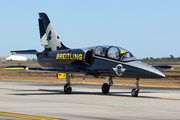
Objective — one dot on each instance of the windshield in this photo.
(126, 55)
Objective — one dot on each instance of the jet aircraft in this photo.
(101, 60)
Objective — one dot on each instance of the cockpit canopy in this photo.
(116, 53)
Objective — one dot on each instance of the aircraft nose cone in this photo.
(154, 73)
(159, 74)
(146, 71)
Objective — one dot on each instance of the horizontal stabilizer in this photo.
(163, 68)
(24, 52)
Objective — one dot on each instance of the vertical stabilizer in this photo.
(49, 38)
(42, 32)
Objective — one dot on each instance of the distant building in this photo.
(16, 58)
(3, 58)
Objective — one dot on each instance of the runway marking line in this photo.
(97, 94)
(26, 116)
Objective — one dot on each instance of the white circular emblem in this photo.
(119, 69)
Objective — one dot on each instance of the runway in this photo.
(46, 101)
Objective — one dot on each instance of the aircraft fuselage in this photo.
(86, 61)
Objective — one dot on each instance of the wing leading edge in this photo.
(163, 68)
(22, 68)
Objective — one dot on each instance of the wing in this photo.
(22, 68)
(163, 68)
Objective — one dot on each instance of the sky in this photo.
(147, 28)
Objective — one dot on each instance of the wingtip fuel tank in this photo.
(19, 68)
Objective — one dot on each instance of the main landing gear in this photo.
(105, 87)
(135, 91)
(67, 86)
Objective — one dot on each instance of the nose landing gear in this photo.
(67, 86)
(105, 87)
(135, 91)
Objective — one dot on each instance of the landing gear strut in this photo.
(105, 87)
(135, 91)
(67, 86)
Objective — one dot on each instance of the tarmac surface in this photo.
(47, 101)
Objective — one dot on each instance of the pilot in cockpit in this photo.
(100, 51)
(123, 55)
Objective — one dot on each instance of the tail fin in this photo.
(49, 38)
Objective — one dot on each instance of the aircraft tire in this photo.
(67, 90)
(134, 92)
(105, 88)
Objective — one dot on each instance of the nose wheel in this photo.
(67, 86)
(135, 91)
(67, 89)
(106, 87)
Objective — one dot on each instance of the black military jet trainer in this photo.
(107, 61)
